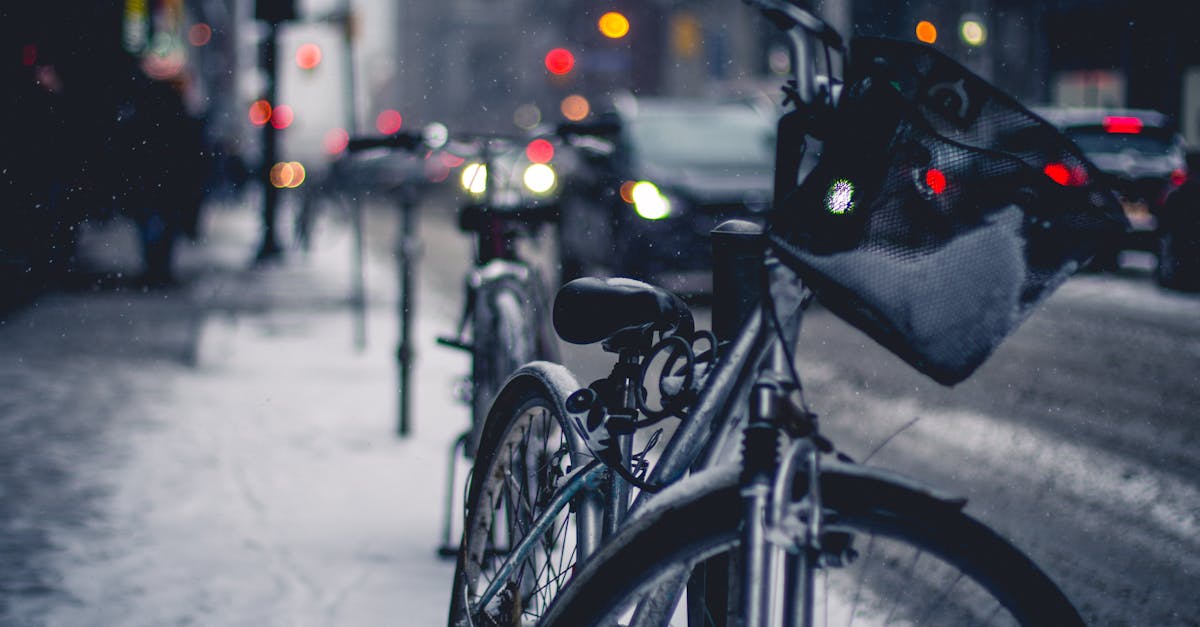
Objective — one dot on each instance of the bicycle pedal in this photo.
(454, 342)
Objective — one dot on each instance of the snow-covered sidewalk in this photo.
(258, 481)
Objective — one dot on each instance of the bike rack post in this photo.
(737, 275)
(448, 548)
(406, 257)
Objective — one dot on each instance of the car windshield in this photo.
(704, 138)
(1147, 142)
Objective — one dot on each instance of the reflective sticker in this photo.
(839, 198)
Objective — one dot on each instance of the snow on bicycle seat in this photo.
(590, 309)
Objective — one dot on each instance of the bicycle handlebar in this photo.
(404, 140)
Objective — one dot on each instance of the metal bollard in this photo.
(737, 275)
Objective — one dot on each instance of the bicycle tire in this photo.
(504, 339)
(528, 411)
(669, 539)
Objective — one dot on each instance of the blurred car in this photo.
(1143, 155)
(653, 177)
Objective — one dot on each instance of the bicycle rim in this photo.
(892, 557)
(517, 473)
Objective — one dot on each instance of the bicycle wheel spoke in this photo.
(912, 568)
(862, 578)
(937, 603)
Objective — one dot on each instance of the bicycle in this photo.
(503, 323)
(890, 181)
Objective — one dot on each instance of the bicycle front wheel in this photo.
(526, 450)
(504, 339)
(892, 554)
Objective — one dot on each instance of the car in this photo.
(1144, 157)
(653, 177)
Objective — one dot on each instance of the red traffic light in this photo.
(560, 61)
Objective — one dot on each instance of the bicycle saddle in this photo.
(588, 310)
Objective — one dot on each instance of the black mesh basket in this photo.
(942, 210)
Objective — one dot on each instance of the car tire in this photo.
(1167, 270)
(1178, 262)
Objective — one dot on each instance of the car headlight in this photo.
(649, 202)
(539, 178)
(474, 178)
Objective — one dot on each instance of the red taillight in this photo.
(935, 180)
(1122, 124)
(1057, 173)
(1064, 175)
(539, 151)
(1178, 177)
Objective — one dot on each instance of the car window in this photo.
(1151, 141)
(718, 137)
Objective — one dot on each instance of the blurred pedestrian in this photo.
(159, 149)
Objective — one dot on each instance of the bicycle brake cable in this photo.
(771, 311)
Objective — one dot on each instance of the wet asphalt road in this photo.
(1077, 440)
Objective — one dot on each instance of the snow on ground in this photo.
(265, 484)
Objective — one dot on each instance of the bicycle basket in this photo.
(941, 210)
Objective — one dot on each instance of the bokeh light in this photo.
(199, 34)
(926, 32)
(389, 121)
(435, 134)
(560, 61)
(287, 174)
(282, 116)
(282, 174)
(649, 202)
(575, 107)
(527, 116)
(973, 33)
(539, 178)
(613, 25)
(298, 174)
(779, 60)
(474, 178)
(260, 112)
(308, 56)
(626, 191)
(539, 151)
(336, 141)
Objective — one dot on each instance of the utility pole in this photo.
(274, 13)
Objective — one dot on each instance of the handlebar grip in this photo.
(401, 140)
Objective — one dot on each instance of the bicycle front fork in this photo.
(771, 545)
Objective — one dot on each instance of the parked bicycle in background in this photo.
(507, 185)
